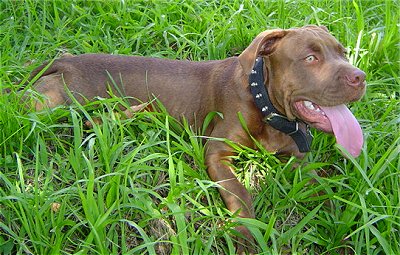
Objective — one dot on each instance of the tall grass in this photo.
(139, 185)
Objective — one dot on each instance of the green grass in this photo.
(140, 185)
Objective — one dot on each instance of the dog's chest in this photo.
(276, 141)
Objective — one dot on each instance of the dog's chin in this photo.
(313, 115)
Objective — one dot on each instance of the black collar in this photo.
(271, 115)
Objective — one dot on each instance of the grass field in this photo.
(139, 186)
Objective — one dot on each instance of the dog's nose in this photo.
(356, 78)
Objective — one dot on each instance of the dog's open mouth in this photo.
(334, 119)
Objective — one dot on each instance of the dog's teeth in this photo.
(309, 105)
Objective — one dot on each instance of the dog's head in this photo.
(309, 78)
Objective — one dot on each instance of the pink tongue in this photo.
(346, 128)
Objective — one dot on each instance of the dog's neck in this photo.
(271, 115)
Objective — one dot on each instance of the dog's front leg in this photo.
(234, 194)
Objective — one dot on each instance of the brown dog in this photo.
(283, 82)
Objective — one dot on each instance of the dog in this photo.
(284, 82)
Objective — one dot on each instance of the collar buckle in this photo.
(282, 123)
(272, 115)
(296, 130)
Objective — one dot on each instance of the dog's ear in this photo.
(263, 45)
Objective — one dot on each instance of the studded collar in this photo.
(271, 115)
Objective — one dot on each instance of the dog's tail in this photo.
(46, 68)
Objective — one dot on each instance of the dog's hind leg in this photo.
(51, 92)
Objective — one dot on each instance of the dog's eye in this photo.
(310, 58)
